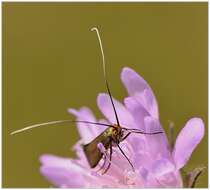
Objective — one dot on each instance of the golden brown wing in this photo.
(93, 154)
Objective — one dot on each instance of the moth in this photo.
(111, 136)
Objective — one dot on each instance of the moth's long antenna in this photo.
(56, 122)
(141, 132)
(153, 133)
(104, 71)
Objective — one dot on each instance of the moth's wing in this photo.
(92, 152)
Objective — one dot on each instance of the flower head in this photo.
(156, 163)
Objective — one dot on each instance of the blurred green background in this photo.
(51, 62)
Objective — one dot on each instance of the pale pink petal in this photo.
(82, 160)
(139, 88)
(138, 112)
(171, 180)
(143, 172)
(133, 179)
(104, 104)
(87, 131)
(146, 99)
(157, 144)
(61, 172)
(187, 140)
(152, 182)
(61, 162)
(143, 160)
(48, 159)
(162, 166)
(63, 178)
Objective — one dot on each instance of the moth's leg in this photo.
(104, 157)
(102, 166)
(125, 136)
(125, 156)
(110, 158)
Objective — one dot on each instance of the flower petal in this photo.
(171, 180)
(139, 88)
(60, 177)
(124, 116)
(138, 112)
(187, 140)
(162, 166)
(154, 142)
(87, 131)
(61, 172)
(82, 160)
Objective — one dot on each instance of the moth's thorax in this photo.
(115, 132)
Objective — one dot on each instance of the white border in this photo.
(116, 1)
(208, 98)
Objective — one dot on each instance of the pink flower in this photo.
(156, 163)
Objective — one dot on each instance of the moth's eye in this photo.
(121, 133)
(115, 132)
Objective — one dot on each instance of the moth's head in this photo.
(117, 132)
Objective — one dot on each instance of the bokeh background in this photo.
(51, 62)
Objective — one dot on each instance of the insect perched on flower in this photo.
(112, 136)
(150, 160)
